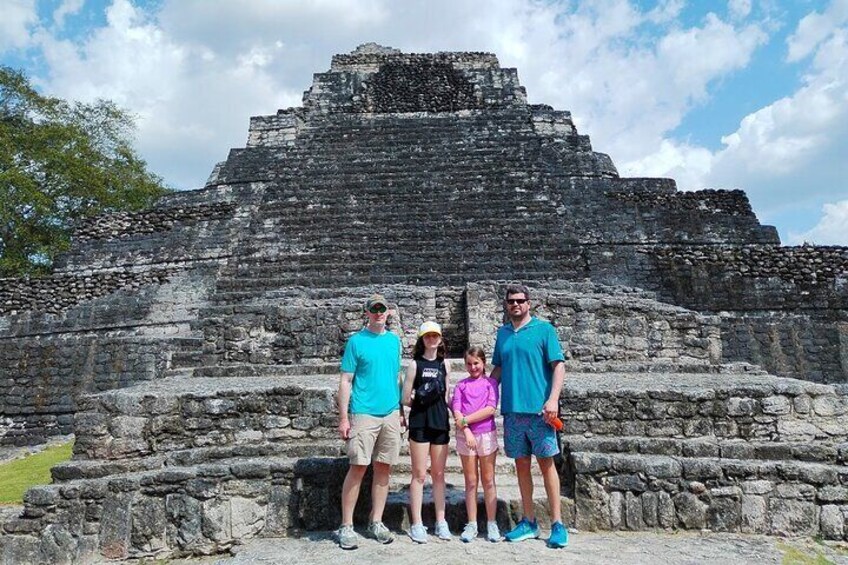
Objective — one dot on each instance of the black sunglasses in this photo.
(377, 309)
(516, 300)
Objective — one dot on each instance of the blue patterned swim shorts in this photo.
(528, 434)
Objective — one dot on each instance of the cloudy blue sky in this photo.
(749, 94)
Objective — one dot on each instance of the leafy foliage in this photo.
(59, 162)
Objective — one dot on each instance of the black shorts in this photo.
(429, 435)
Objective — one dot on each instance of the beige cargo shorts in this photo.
(374, 438)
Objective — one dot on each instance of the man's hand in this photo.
(549, 410)
(344, 428)
(470, 440)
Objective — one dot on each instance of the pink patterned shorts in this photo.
(487, 443)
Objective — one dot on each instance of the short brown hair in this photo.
(517, 289)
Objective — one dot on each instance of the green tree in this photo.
(60, 162)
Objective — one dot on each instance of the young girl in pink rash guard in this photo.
(474, 402)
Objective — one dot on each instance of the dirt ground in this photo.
(591, 548)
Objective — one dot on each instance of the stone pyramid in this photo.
(192, 348)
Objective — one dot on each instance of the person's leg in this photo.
(517, 446)
(469, 469)
(360, 447)
(418, 453)
(525, 486)
(438, 459)
(386, 451)
(545, 446)
(552, 487)
(487, 476)
(379, 490)
(350, 491)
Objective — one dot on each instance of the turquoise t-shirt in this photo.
(374, 360)
(525, 358)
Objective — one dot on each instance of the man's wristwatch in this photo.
(464, 422)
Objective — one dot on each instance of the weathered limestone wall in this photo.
(748, 498)
(788, 343)
(597, 324)
(49, 359)
(306, 326)
(45, 376)
(183, 229)
(376, 80)
(279, 130)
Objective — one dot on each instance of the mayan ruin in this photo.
(193, 348)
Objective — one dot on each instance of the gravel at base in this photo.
(589, 548)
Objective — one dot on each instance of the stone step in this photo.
(813, 452)
(76, 469)
(195, 510)
(191, 412)
(186, 412)
(428, 211)
(206, 508)
(415, 148)
(393, 153)
(385, 261)
(786, 498)
(453, 466)
(241, 289)
(309, 232)
(455, 480)
(312, 367)
(396, 268)
(727, 406)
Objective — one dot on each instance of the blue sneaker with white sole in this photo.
(559, 536)
(525, 529)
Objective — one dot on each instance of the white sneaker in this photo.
(469, 532)
(348, 539)
(418, 533)
(443, 531)
(493, 534)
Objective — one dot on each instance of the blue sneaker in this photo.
(524, 530)
(559, 536)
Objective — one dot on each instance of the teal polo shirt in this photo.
(374, 360)
(525, 358)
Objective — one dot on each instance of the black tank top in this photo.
(434, 416)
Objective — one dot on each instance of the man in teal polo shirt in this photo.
(528, 363)
(370, 420)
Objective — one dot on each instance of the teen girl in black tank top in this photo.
(433, 415)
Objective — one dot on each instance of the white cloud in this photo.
(739, 9)
(192, 103)
(65, 9)
(797, 142)
(686, 164)
(832, 228)
(815, 28)
(16, 19)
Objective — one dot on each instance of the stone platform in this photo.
(192, 465)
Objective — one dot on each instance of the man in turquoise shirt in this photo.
(370, 417)
(528, 363)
